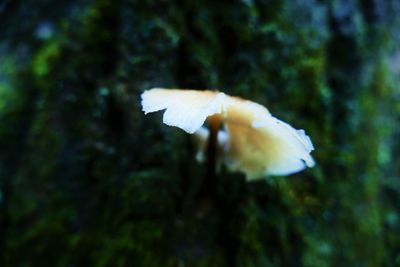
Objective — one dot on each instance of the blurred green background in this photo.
(87, 180)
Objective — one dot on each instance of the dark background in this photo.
(87, 180)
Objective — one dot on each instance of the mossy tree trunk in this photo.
(87, 180)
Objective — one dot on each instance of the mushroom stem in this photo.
(214, 123)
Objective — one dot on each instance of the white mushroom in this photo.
(253, 141)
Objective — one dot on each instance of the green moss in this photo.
(87, 180)
(42, 60)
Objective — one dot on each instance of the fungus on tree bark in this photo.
(251, 139)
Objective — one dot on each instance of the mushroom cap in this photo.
(186, 109)
(261, 144)
(255, 142)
